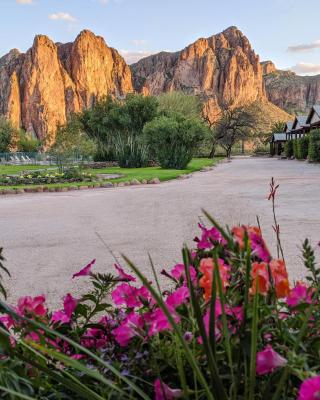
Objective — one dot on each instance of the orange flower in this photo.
(260, 278)
(207, 269)
(239, 231)
(280, 278)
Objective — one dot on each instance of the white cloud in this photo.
(24, 1)
(62, 16)
(306, 68)
(139, 42)
(104, 1)
(300, 48)
(133, 56)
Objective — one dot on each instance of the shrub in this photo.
(288, 148)
(303, 145)
(131, 152)
(229, 327)
(295, 148)
(7, 135)
(27, 142)
(314, 146)
(174, 138)
(116, 126)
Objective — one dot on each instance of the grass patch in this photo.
(16, 169)
(156, 172)
(128, 173)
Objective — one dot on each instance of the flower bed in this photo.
(46, 177)
(230, 327)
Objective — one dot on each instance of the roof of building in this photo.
(314, 109)
(279, 137)
(288, 126)
(300, 121)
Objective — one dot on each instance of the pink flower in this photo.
(310, 389)
(60, 316)
(123, 276)
(208, 237)
(178, 273)
(299, 294)
(32, 305)
(268, 360)
(128, 329)
(64, 316)
(7, 321)
(84, 271)
(164, 392)
(159, 321)
(178, 297)
(130, 296)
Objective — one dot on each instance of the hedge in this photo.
(288, 148)
(302, 148)
(314, 146)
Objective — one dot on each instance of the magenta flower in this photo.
(32, 305)
(208, 236)
(122, 275)
(268, 360)
(64, 316)
(130, 296)
(7, 321)
(159, 321)
(85, 271)
(128, 329)
(178, 273)
(310, 389)
(299, 294)
(178, 297)
(164, 392)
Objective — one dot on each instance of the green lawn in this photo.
(156, 172)
(128, 173)
(16, 169)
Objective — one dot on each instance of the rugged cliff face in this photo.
(40, 88)
(293, 93)
(221, 69)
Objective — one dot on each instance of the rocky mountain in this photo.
(291, 92)
(222, 69)
(40, 88)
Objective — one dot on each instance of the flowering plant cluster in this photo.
(46, 177)
(227, 325)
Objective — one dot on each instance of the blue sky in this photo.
(285, 31)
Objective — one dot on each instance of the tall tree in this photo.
(235, 124)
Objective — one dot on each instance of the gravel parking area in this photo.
(49, 236)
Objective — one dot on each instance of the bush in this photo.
(7, 135)
(303, 145)
(314, 146)
(288, 148)
(174, 138)
(229, 327)
(295, 148)
(131, 152)
(27, 142)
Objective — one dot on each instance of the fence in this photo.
(22, 158)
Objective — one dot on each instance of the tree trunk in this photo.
(212, 152)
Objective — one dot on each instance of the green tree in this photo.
(117, 127)
(174, 138)
(7, 135)
(235, 124)
(188, 105)
(72, 141)
(278, 127)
